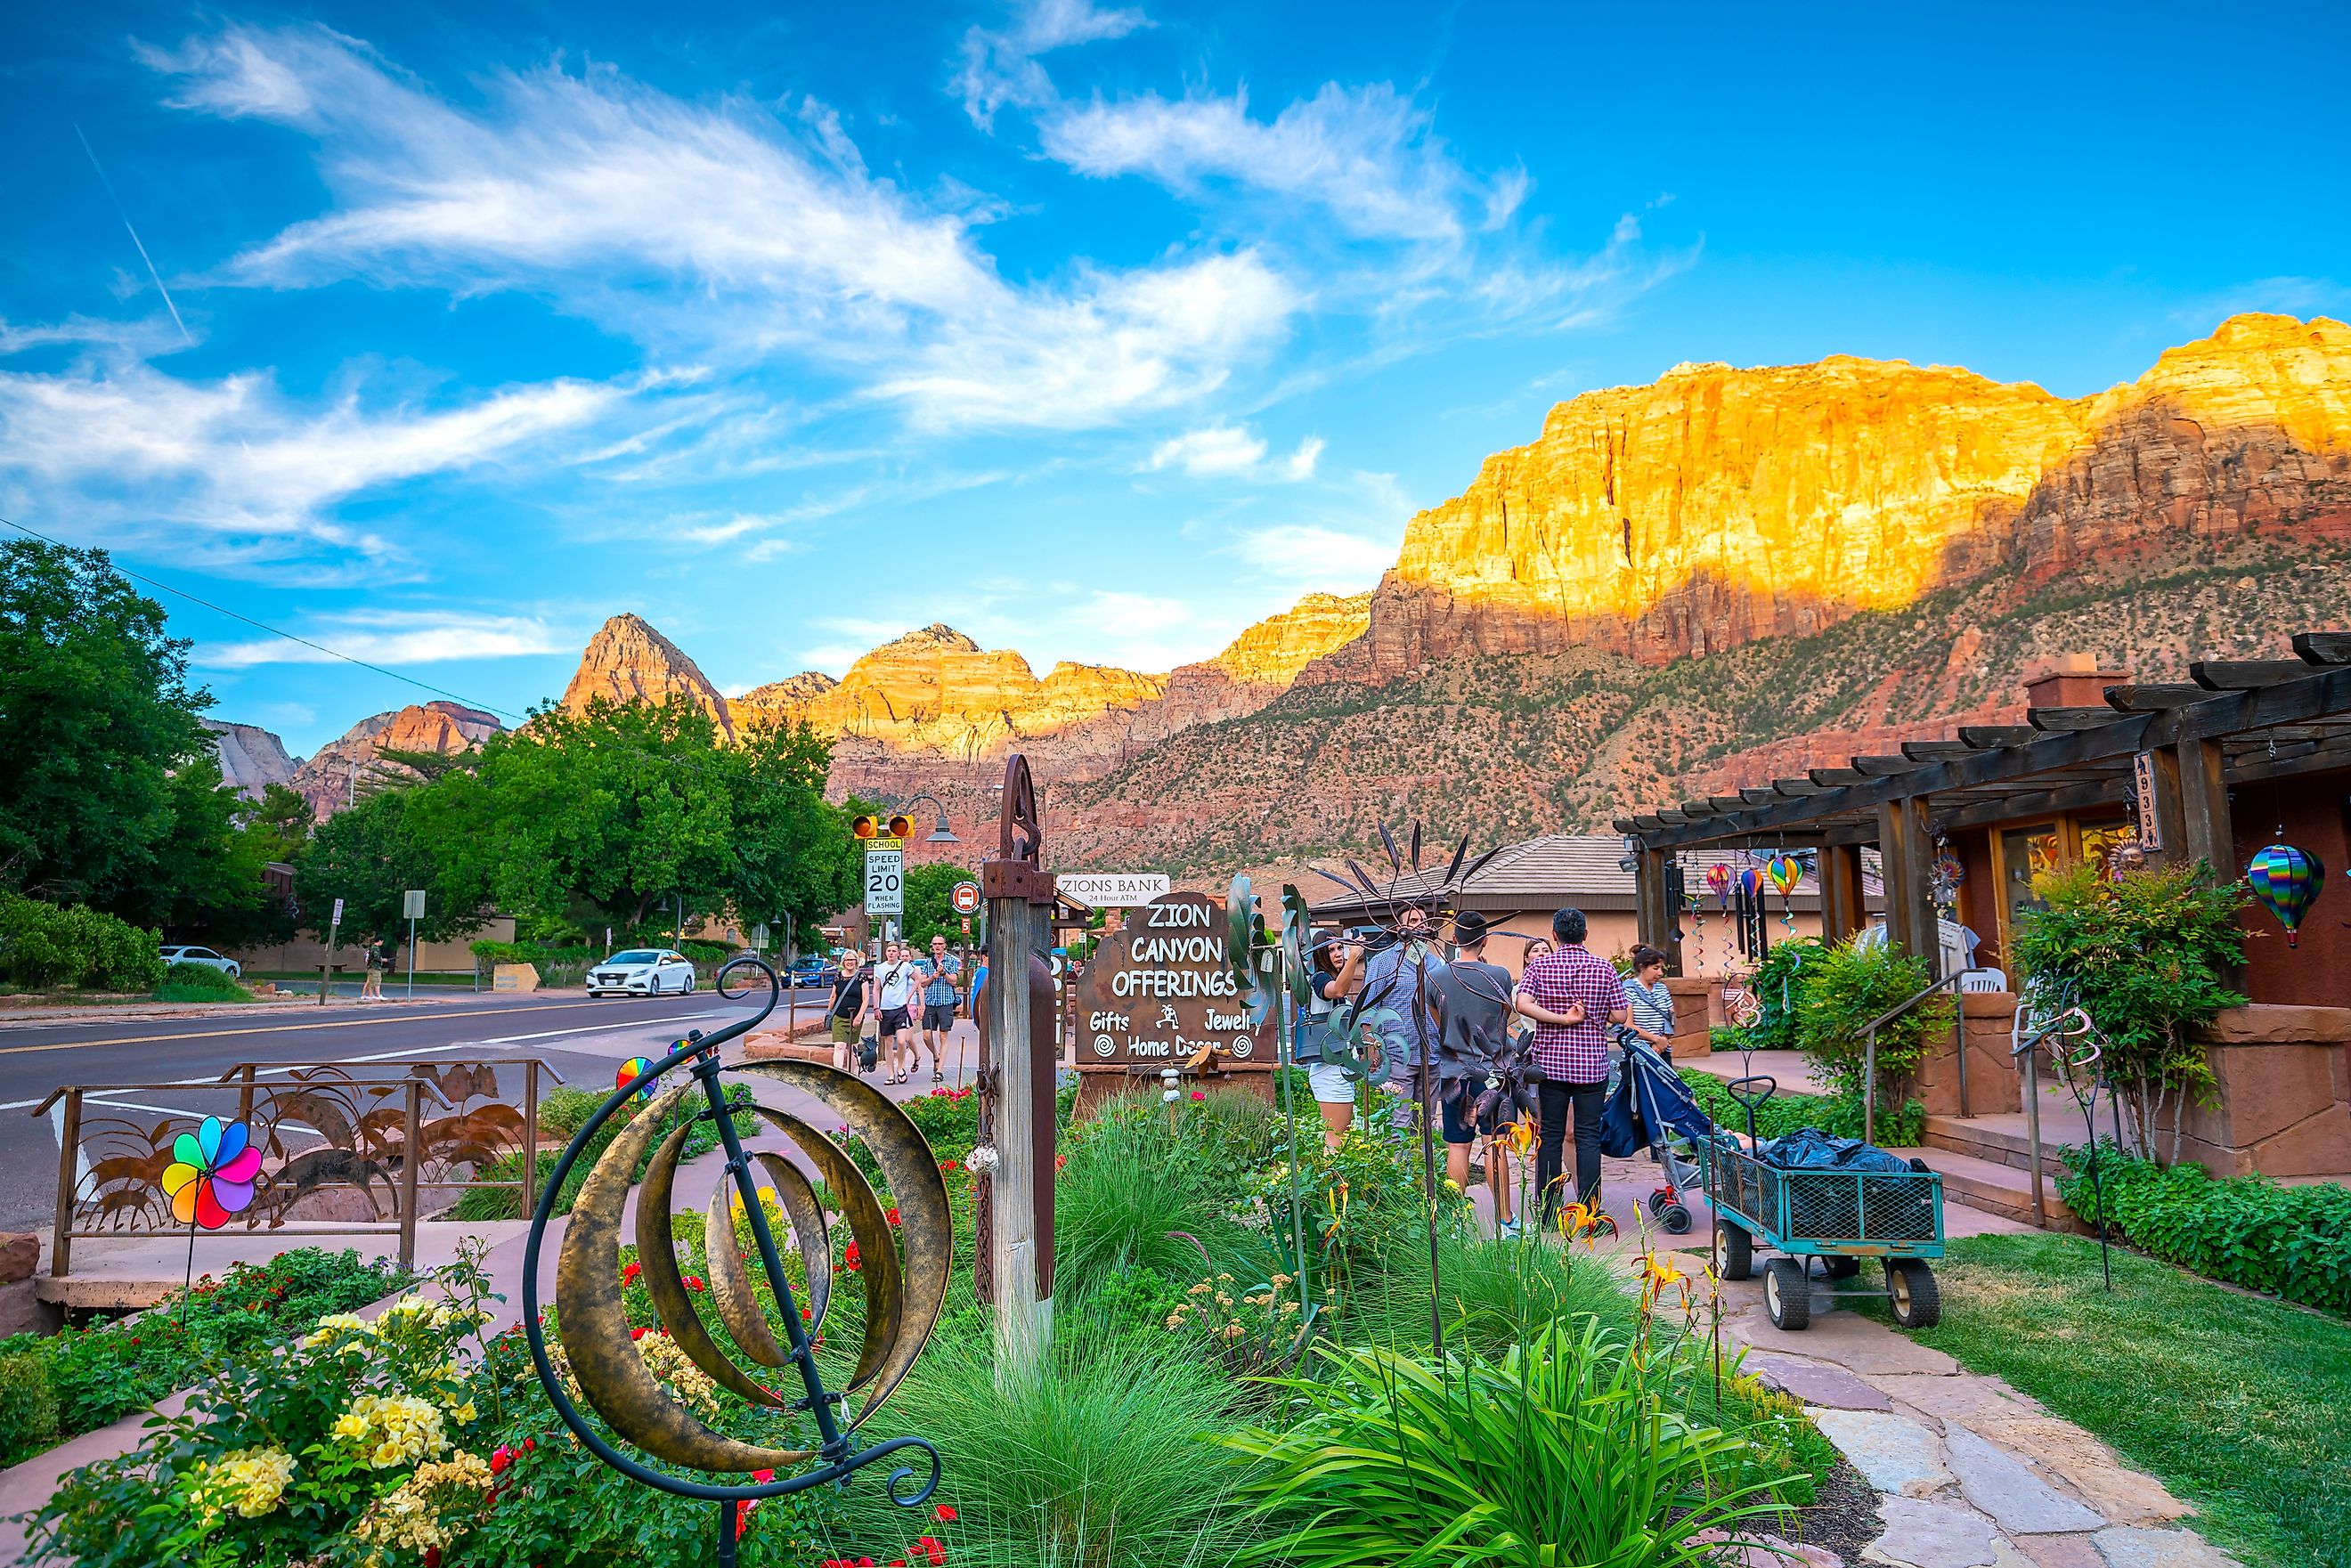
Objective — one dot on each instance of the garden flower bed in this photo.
(1198, 1389)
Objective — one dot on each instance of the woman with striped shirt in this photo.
(1651, 1019)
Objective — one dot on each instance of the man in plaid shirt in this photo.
(1572, 995)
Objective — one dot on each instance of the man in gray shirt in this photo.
(1476, 1009)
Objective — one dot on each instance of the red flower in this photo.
(949, 1165)
(1196, 1095)
(694, 1282)
(432, 1557)
(763, 1477)
(501, 1459)
(628, 1275)
(890, 1215)
(636, 1334)
(848, 1259)
(529, 1444)
(933, 1548)
(945, 1514)
(1060, 1160)
(806, 1316)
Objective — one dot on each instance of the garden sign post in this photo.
(1018, 1081)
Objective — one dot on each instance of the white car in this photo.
(642, 972)
(205, 956)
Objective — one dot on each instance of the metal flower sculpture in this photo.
(211, 1177)
(905, 1268)
(1487, 1073)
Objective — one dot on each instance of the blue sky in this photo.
(1095, 330)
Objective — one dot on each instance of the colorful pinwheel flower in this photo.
(211, 1174)
(628, 1074)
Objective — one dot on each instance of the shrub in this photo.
(1099, 1461)
(28, 1407)
(2289, 1241)
(1846, 987)
(99, 1375)
(1493, 1296)
(46, 945)
(1779, 985)
(199, 983)
(1569, 1449)
(2147, 958)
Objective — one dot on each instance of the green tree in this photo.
(96, 718)
(2147, 958)
(370, 854)
(280, 823)
(929, 912)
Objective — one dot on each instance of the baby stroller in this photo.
(1648, 1104)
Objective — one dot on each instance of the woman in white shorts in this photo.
(1337, 974)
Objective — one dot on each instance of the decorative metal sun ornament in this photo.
(904, 1269)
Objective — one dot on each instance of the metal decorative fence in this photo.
(322, 1130)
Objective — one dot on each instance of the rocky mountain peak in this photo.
(937, 637)
(628, 661)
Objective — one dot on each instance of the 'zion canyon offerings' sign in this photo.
(1158, 995)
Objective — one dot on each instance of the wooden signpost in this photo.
(1018, 1054)
(1159, 993)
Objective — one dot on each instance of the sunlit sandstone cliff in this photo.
(353, 764)
(628, 661)
(1717, 506)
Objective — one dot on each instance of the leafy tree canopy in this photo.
(96, 715)
(928, 911)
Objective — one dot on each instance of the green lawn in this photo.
(2240, 1405)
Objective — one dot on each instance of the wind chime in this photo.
(1785, 871)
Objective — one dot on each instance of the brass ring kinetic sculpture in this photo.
(903, 1295)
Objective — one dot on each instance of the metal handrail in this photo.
(1869, 1051)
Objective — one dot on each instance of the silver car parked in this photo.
(205, 956)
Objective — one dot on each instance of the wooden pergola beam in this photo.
(1937, 750)
(1988, 737)
(2052, 720)
(2245, 675)
(2153, 699)
(2323, 647)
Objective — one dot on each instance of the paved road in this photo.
(581, 1039)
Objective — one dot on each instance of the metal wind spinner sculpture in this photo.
(904, 1293)
(1411, 909)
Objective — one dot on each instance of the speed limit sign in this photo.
(885, 887)
(966, 898)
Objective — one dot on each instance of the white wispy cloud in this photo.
(1000, 64)
(1226, 451)
(1367, 156)
(1313, 556)
(722, 229)
(113, 440)
(394, 637)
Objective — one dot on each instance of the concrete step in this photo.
(1993, 1188)
(2002, 1139)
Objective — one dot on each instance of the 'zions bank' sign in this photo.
(1158, 991)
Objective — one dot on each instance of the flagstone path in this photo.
(1974, 1473)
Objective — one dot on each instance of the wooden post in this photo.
(531, 1138)
(1843, 911)
(2160, 808)
(2206, 831)
(1020, 913)
(68, 1186)
(1905, 848)
(411, 1135)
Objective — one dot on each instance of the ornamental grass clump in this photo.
(1130, 1198)
(1570, 1448)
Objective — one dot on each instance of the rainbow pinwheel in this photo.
(212, 1173)
(629, 1070)
(2286, 879)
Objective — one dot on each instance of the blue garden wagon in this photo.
(1840, 1217)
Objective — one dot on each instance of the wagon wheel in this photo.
(1788, 1294)
(1734, 1251)
(1911, 1291)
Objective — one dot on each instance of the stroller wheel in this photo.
(1676, 1218)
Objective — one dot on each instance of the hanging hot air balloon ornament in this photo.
(1785, 871)
(2286, 880)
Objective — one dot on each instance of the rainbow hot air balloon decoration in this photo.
(2286, 880)
(1718, 881)
(1785, 871)
(1750, 881)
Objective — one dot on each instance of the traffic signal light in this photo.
(865, 827)
(897, 827)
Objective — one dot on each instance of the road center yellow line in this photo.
(291, 1028)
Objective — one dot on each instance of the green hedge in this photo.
(2293, 1242)
(46, 944)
